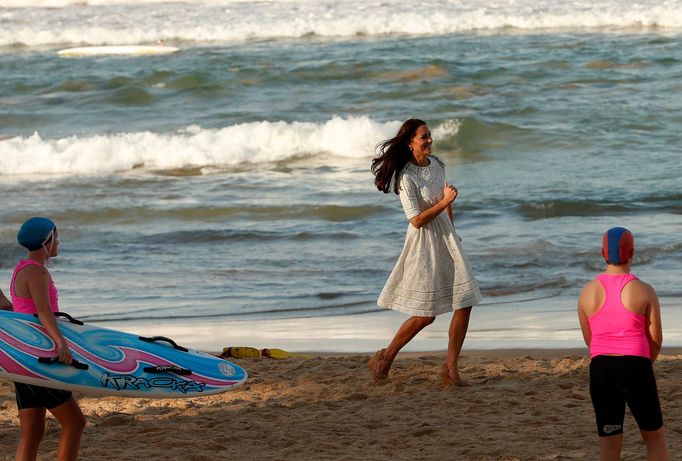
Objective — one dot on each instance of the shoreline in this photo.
(520, 353)
(537, 324)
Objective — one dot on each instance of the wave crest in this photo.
(130, 22)
(195, 147)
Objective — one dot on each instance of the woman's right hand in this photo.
(428, 215)
(449, 193)
(64, 353)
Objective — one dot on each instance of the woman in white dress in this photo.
(432, 275)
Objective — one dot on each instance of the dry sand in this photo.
(521, 405)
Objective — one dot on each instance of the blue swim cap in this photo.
(35, 232)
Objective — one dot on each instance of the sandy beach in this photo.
(521, 405)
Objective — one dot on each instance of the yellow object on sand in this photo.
(281, 354)
(242, 352)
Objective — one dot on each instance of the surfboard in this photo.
(122, 50)
(109, 362)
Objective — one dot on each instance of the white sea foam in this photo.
(197, 147)
(127, 22)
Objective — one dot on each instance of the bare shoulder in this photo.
(639, 296)
(591, 297)
(590, 288)
(642, 287)
(34, 273)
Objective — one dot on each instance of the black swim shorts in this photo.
(30, 396)
(617, 380)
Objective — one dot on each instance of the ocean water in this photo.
(228, 184)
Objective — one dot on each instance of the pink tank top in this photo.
(26, 305)
(616, 330)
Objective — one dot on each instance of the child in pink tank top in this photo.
(623, 342)
(33, 292)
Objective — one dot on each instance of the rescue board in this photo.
(109, 362)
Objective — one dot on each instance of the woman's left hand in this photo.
(449, 193)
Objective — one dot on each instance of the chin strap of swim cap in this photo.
(51, 238)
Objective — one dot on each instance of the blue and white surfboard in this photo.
(109, 362)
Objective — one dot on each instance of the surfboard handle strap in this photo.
(66, 316)
(74, 363)
(168, 369)
(163, 338)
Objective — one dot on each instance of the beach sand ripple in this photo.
(531, 405)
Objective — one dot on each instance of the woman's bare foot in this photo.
(450, 377)
(377, 365)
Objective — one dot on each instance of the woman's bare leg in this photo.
(456, 333)
(72, 420)
(404, 335)
(31, 430)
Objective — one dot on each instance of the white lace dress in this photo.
(432, 275)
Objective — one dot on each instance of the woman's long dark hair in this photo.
(394, 154)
